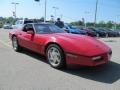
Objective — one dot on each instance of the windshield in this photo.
(47, 28)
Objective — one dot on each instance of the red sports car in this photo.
(59, 47)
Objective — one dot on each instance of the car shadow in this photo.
(34, 55)
(108, 73)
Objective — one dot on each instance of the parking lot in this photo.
(29, 71)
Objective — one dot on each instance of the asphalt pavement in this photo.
(29, 71)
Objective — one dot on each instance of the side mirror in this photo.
(30, 32)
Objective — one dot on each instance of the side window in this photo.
(16, 22)
(28, 27)
(25, 28)
(20, 22)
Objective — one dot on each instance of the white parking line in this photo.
(6, 44)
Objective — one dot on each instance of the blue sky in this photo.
(70, 10)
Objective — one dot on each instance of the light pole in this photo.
(96, 9)
(15, 4)
(39, 4)
(55, 8)
(115, 25)
(44, 9)
(86, 17)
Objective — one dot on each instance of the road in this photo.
(30, 71)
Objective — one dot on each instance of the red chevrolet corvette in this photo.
(59, 47)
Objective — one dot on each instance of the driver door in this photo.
(26, 39)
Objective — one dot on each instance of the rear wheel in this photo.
(15, 44)
(55, 56)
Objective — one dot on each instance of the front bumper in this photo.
(87, 61)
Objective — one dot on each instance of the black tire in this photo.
(55, 56)
(15, 44)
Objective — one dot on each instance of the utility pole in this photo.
(55, 13)
(45, 10)
(96, 9)
(15, 4)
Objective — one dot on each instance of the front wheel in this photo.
(55, 56)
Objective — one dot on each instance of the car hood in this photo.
(80, 44)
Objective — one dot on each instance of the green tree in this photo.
(101, 24)
(109, 24)
(89, 24)
(42, 19)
